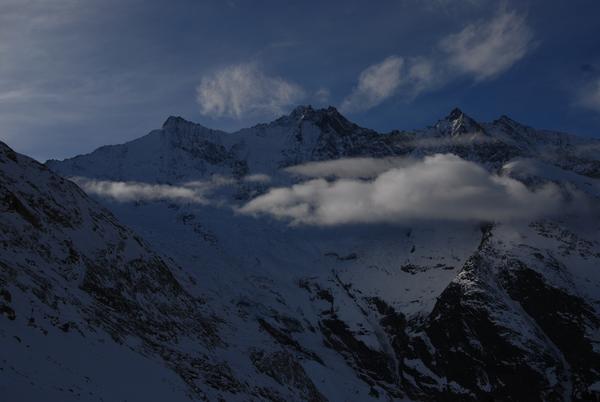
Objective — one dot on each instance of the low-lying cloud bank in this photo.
(197, 192)
(439, 187)
(349, 168)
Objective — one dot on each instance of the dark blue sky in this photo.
(75, 75)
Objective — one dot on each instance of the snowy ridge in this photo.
(185, 150)
(72, 279)
(402, 311)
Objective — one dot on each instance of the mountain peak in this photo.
(504, 119)
(457, 123)
(326, 118)
(6, 151)
(174, 121)
(307, 111)
(455, 113)
(302, 110)
(175, 124)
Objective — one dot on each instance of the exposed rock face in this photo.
(183, 150)
(79, 270)
(285, 369)
(501, 330)
(212, 305)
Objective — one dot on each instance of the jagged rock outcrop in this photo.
(214, 304)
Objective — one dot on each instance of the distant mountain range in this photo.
(182, 149)
(202, 265)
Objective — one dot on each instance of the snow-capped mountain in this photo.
(216, 303)
(182, 150)
(84, 299)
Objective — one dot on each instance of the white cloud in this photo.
(244, 90)
(322, 95)
(589, 95)
(482, 50)
(423, 74)
(375, 84)
(15, 95)
(439, 187)
(257, 178)
(193, 191)
(133, 191)
(348, 168)
(534, 171)
(488, 48)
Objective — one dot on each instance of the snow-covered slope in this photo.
(89, 310)
(183, 150)
(410, 310)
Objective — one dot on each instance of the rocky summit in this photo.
(290, 261)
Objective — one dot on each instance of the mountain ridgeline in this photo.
(156, 286)
(182, 149)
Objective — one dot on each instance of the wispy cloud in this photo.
(589, 95)
(15, 95)
(439, 187)
(348, 168)
(244, 90)
(488, 48)
(134, 191)
(257, 178)
(198, 192)
(482, 50)
(375, 84)
(322, 95)
(422, 75)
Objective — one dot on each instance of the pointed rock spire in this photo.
(174, 121)
(458, 123)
